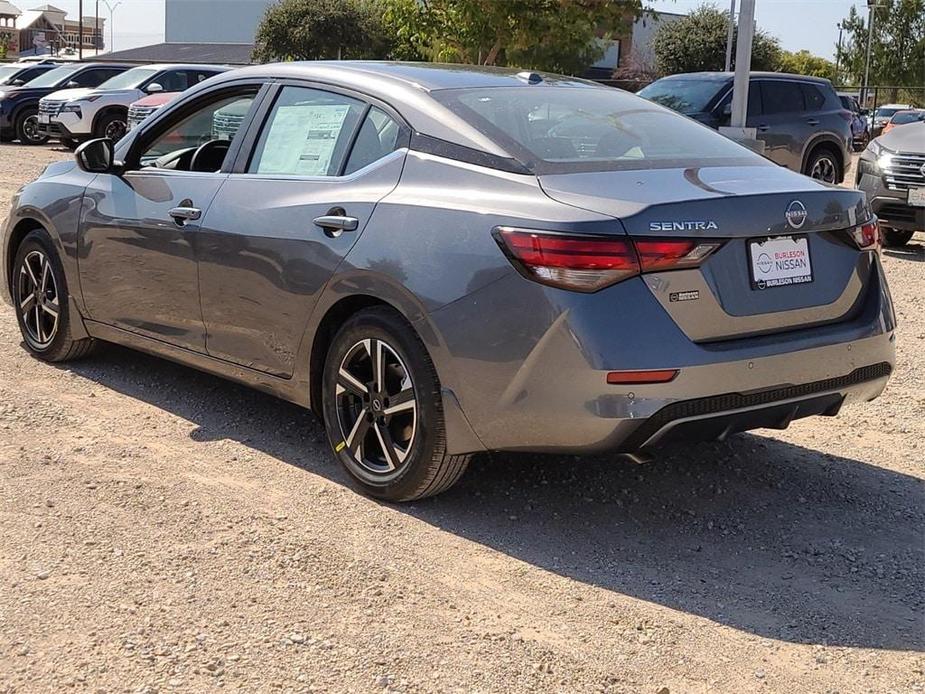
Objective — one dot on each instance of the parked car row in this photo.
(79, 101)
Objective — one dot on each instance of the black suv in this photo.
(19, 105)
(800, 119)
(17, 74)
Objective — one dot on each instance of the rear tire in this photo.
(893, 238)
(27, 128)
(824, 165)
(40, 297)
(387, 430)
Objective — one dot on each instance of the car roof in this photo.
(182, 66)
(903, 106)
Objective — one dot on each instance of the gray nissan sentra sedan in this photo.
(442, 260)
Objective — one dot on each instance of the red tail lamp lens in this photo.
(672, 254)
(637, 377)
(867, 236)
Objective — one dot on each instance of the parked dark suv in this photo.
(19, 106)
(18, 74)
(800, 119)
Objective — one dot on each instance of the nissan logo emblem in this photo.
(796, 214)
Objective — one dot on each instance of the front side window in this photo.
(57, 77)
(781, 97)
(306, 134)
(568, 130)
(130, 79)
(216, 122)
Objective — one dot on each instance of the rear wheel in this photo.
(27, 128)
(41, 301)
(893, 238)
(383, 411)
(824, 165)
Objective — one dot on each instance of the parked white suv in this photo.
(74, 115)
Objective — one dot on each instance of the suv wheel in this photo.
(41, 300)
(823, 165)
(113, 126)
(383, 411)
(27, 128)
(895, 237)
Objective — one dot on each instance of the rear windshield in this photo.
(568, 130)
(907, 117)
(684, 96)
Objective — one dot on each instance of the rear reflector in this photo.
(589, 263)
(636, 377)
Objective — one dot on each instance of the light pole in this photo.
(746, 35)
(838, 52)
(871, 13)
(112, 8)
(729, 34)
(80, 30)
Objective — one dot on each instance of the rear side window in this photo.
(378, 137)
(573, 129)
(814, 98)
(683, 95)
(307, 133)
(778, 96)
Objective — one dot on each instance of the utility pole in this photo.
(96, 39)
(746, 34)
(871, 13)
(729, 35)
(80, 30)
(838, 53)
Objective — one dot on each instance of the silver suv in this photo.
(801, 120)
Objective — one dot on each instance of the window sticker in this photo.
(302, 138)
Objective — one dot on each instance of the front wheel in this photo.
(893, 238)
(383, 412)
(27, 128)
(114, 126)
(41, 301)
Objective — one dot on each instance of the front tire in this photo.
(893, 238)
(112, 125)
(27, 128)
(40, 297)
(383, 411)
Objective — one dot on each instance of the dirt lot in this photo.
(163, 530)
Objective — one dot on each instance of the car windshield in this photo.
(885, 112)
(130, 79)
(7, 72)
(59, 75)
(907, 117)
(569, 130)
(685, 96)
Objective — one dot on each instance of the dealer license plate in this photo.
(917, 197)
(780, 261)
(44, 118)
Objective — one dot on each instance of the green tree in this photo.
(320, 29)
(805, 63)
(897, 48)
(555, 35)
(698, 42)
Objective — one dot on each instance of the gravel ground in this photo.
(163, 530)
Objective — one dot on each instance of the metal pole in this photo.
(729, 35)
(80, 30)
(746, 34)
(871, 13)
(838, 53)
(96, 36)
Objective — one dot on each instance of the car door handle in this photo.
(813, 121)
(181, 215)
(763, 127)
(337, 223)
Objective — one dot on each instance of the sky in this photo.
(809, 24)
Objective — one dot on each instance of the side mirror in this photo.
(727, 110)
(72, 85)
(864, 112)
(17, 83)
(154, 88)
(96, 156)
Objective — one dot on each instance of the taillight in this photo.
(867, 236)
(589, 263)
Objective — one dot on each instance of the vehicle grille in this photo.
(896, 213)
(225, 125)
(905, 171)
(136, 114)
(50, 108)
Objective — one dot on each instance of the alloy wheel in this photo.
(115, 130)
(38, 299)
(30, 129)
(824, 169)
(377, 409)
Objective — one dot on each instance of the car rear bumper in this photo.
(547, 390)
